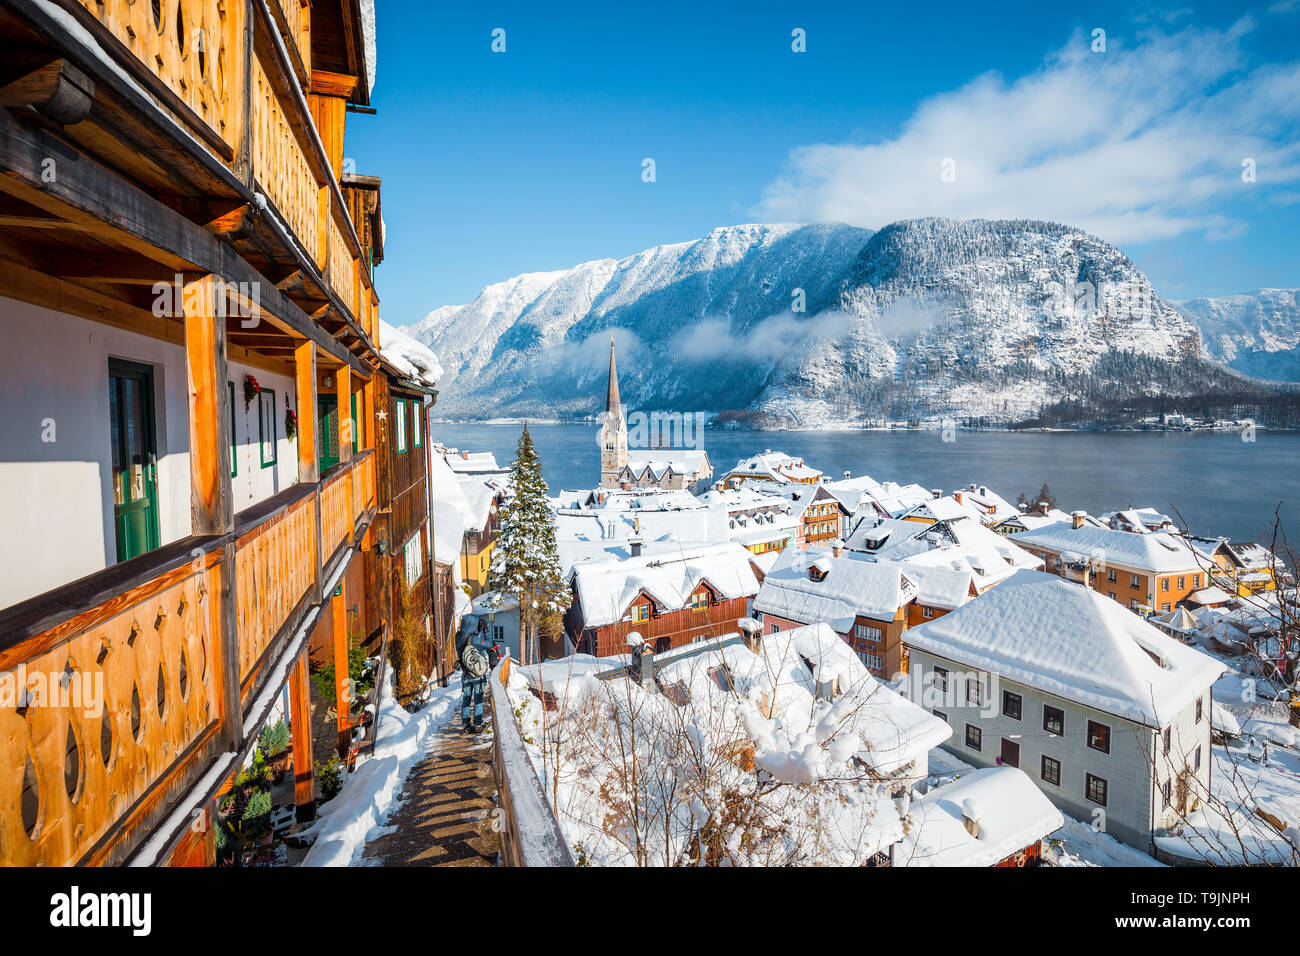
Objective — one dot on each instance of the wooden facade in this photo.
(195, 144)
(662, 629)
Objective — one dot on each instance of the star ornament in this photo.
(382, 415)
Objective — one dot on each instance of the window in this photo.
(870, 661)
(1095, 789)
(234, 446)
(975, 692)
(1164, 584)
(1011, 704)
(927, 612)
(1053, 720)
(1134, 581)
(1166, 789)
(941, 679)
(866, 632)
(415, 423)
(1134, 604)
(1181, 582)
(1112, 575)
(1098, 736)
(401, 426)
(1111, 595)
(974, 737)
(1200, 709)
(1197, 765)
(414, 555)
(1196, 580)
(637, 612)
(1164, 606)
(498, 633)
(266, 430)
(1166, 738)
(1051, 772)
(699, 600)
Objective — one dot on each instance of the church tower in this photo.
(613, 431)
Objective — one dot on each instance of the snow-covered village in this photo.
(444, 439)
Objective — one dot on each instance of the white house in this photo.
(1110, 716)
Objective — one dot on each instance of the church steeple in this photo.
(612, 404)
(613, 430)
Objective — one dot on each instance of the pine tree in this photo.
(525, 562)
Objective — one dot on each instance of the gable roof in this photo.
(852, 586)
(669, 573)
(1155, 551)
(1062, 638)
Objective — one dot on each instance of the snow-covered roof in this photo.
(683, 461)
(465, 462)
(1011, 812)
(962, 544)
(892, 731)
(775, 466)
(1048, 633)
(478, 497)
(1158, 552)
(1210, 595)
(992, 507)
(941, 585)
(670, 574)
(413, 359)
(852, 586)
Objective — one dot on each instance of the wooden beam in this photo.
(305, 365)
(343, 381)
(205, 355)
(52, 87)
(112, 268)
(103, 203)
(304, 781)
(342, 684)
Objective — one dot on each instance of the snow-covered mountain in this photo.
(815, 324)
(1257, 333)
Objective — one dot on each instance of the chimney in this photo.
(970, 817)
(847, 474)
(752, 632)
(936, 492)
(642, 668)
(956, 496)
(465, 454)
(837, 548)
(1076, 518)
(635, 544)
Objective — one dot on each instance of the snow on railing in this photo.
(530, 834)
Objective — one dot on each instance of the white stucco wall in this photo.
(54, 368)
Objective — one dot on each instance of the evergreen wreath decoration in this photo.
(290, 421)
(251, 390)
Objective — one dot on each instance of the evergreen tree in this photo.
(525, 562)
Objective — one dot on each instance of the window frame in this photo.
(415, 424)
(1103, 736)
(1020, 705)
(977, 699)
(261, 434)
(1042, 770)
(978, 732)
(940, 685)
(234, 442)
(1049, 730)
(1091, 780)
(400, 415)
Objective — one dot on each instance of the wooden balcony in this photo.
(80, 784)
(86, 784)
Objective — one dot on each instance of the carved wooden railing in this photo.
(336, 515)
(294, 19)
(275, 568)
(109, 706)
(196, 47)
(342, 272)
(280, 168)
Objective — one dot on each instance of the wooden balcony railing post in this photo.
(304, 356)
(211, 503)
(342, 687)
(304, 781)
(347, 426)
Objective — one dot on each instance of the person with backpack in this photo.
(475, 652)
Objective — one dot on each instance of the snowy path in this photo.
(443, 814)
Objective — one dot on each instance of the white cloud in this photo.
(1137, 143)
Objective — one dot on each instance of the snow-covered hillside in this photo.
(817, 324)
(1257, 333)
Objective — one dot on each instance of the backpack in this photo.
(473, 661)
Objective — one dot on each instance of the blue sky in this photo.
(500, 163)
